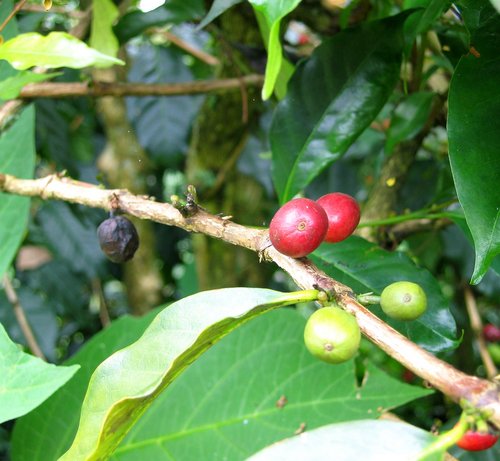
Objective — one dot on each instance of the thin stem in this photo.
(422, 214)
(182, 44)
(13, 299)
(477, 327)
(14, 11)
(445, 440)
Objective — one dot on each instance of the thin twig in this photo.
(54, 9)
(14, 11)
(477, 328)
(455, 384)
(227, 167)
(21, 318)
(182, 44)
(103, 307)
(99, 89)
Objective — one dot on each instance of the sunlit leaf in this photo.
(176, 337)
(57, 49)
(26, 380)
(102, 37)
(273, 12)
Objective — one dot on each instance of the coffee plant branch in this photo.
(482, 393)
(99, 89)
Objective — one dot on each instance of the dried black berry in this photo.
(118, 239)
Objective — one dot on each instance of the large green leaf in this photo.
(17, 157)
(272, 12)
(57, 49)
(332, 98)
(224, 404)
(177, 336)
(353, 441)
(33, 436)
(12, 86)
(102, 37)
(26, 380)
(473, 127)
(367, 268)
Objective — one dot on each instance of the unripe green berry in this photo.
(403, 300)
(332, 335)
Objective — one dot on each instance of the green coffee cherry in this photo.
(403, 300)
(332, 335)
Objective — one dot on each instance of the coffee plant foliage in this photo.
(393, 103)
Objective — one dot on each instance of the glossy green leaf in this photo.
(496, 4)
(225, 405)
(33, 436)
(332, 98)
(273, 12)
(367, 268)
(135, 22)
(17, 157)
(353, 441)
(12, 86)
(175, 338)
(26, 380)
(409, 118)
(102, 37)
(249, 370)
(473, 127)
(218, 7)
(57, 49)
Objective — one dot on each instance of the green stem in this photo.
(294, 297)
(368, 298)
(422, 214)
(445, 440)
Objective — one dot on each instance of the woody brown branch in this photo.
(457, 385)
(99, 89)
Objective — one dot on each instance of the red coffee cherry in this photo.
(118, 239)
(477, 441)
(343, 215)
(298, 227)
(491, 333)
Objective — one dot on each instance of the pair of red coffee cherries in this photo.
(300, 225)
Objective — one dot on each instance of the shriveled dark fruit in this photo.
(403, 300)
(298, 227)
(491, 333)
(118, 239)
(332, 335)
(477, 441)
(343, 215)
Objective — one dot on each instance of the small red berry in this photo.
(477, 441)
(298, 227)
(343, 215)
(491, 333)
